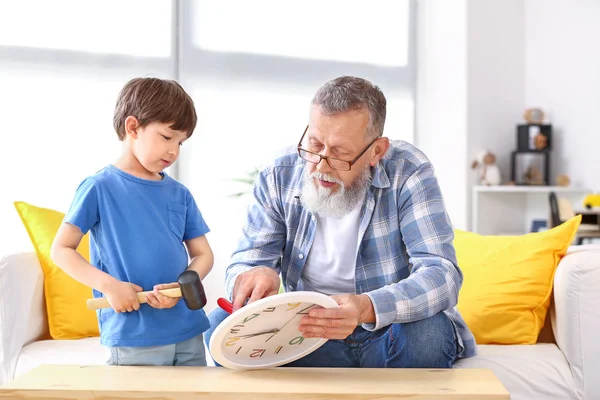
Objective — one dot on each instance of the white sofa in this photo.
(568, 367)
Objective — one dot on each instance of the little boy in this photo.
(142, 221)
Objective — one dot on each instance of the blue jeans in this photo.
(189, 352)
(429, 343)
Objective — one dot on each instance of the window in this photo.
(61, 68)
(336, 30)
(132, 27)
(253, 72)
(250, 67)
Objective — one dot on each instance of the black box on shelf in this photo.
(534, 137)
(530, 167)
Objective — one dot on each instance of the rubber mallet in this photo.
(190, 289)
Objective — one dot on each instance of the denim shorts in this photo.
(189, 352)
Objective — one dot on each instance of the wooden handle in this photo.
(101, 302)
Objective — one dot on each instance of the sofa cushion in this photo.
(81, 351)
(86, 351)
(576, 316)
(527, 371)
(508, 281)
(68, 316)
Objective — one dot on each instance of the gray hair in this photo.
(348, 93)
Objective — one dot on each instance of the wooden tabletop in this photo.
(123, 382)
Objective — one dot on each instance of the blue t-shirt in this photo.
(137, 231)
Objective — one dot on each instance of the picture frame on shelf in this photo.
(534, 137)
(530, 168)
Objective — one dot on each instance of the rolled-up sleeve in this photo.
(435, 278)
(263, 235)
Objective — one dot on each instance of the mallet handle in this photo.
(101, 302)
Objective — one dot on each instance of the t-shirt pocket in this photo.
(177, 213)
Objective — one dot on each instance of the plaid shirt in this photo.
(406, 262)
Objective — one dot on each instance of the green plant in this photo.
(247, 180)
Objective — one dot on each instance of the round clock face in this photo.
(265, 333)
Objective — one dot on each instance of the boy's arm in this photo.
(201, 255)
(64, 254)
(120, 295)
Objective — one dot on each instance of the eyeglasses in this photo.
(335, 163)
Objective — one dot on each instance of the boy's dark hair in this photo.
(155, 100)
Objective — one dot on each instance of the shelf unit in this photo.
(510, 210)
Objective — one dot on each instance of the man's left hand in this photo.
(336, 323)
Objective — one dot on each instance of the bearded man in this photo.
(356, 216)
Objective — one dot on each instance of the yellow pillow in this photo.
(68, 316)
(508, 281)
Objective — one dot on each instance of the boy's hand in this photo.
(158, 300)
(122, 296)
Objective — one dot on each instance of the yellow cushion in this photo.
(508, 281)
(68, 316)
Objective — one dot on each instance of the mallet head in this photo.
(192, 290)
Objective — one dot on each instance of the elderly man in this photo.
(356, 216)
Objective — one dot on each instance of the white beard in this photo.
(323, 201)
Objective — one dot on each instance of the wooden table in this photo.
(121, 382)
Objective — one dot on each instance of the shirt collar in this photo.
(380, 178)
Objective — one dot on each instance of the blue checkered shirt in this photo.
(406, 262)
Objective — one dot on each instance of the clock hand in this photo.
(271, 337)
(291, 319)
(273, 331)
(280, 329)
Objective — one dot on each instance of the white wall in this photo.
(441, 99)
(562, 76)
(470, 79)
(495, 82)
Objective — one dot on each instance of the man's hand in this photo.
(157, 300)
(122, 296)
(338, 323)
(258, 283)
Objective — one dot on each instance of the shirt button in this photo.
(301, 256)
(290, 287)
(313, 218)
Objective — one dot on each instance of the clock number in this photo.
(270, 309)
(257, 353)
(297, 340)
(232, 341)
(303, 311)
(236, 329)
(293, 305)
(277, 350)
(250, 317)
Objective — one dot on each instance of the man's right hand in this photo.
(122, 296)
(258, 283)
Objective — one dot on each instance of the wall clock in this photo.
(264, 334)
